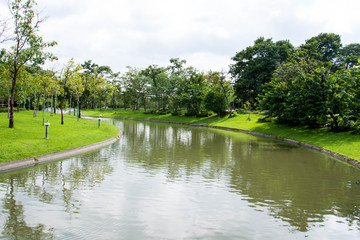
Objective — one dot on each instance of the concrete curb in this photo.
(336, 155)
(34, 161)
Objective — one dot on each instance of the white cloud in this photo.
(207, 33)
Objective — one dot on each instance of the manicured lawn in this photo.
(344, 143)
(27, 139)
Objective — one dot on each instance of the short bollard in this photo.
(47, 130)
(100, 120)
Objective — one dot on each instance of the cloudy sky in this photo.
(207, 33)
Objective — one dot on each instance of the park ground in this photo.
(27, 138)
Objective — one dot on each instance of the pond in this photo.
(163, 181)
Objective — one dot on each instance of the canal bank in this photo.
(34, 161)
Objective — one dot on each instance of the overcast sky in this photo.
(206, 33)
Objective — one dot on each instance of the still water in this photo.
(173, 182)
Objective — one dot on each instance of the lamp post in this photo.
(99, 120)
(47, 124)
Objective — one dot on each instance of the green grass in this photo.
(27, 138)
(344, 143)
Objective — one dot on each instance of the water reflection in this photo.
(56, 184)
(294, 184)
(165, 181)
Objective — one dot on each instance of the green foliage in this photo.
(307, 93)
(324, 47)
(27, 46)
(296, 94)
(255, 65)
(192, 92)
(215, 100)
(349, 56)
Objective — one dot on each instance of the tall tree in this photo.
(154, 73)
(255, 65)
(70, 69)
(28, 45)
(77, 88)
(324, 47)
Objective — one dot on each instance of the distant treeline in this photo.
(315, 84)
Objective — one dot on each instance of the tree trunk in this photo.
(38, 103)
(61, 109)
(78, 107)
(35, 103)
(144, 103)
(43, 109)
(8, 103)
(226, 97)
(70, 105)
(51, 102)
(55, 102)
(11, 118)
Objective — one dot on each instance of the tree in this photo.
(177, 75)
(70, 69)
(255, 65)
(153, 72)
(343, 99)
(228, 90)
(307, 93)
(215, 100)
(28, 46)
(77, 88)
(324, 48)
(221, 90)
(297, 93)
(46, 79)
(192, 92)
(349, 56)
(137, 85)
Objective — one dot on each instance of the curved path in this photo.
(31, 162)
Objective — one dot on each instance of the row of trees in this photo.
(25, 83)
(314, 84)
(88, 85)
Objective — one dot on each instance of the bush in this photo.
(202, 114)
(150, 112)
(176, 113)
(190, 114)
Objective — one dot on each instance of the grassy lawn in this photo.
(344, 143)
(27, 139)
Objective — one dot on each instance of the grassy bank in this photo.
(27, 139)
(344, 143)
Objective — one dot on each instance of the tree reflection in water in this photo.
(294, 184)
(42, 184)
(301, 189)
